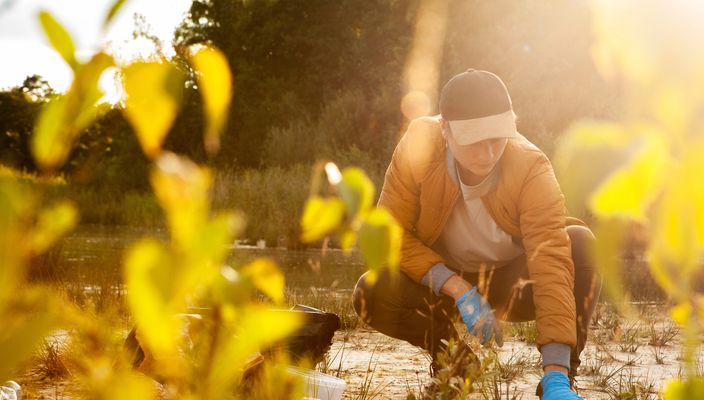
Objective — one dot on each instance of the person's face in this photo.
(478, 158)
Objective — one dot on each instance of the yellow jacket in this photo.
(527, 204)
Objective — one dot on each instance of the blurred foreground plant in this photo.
(175, 286)
(645, 169)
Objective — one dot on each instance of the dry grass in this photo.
(50, 361)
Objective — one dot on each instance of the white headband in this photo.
(468, 131)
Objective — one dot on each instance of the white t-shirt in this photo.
(470, 237)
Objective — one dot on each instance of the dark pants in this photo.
(401, 308)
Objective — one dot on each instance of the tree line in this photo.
(323, 79)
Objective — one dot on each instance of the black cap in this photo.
(474, 94)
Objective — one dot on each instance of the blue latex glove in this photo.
(478, 317)
(556, 386)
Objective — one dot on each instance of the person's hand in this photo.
(556, 386)
(478, 317)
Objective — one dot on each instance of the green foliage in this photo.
(334, 46)
(19, 108)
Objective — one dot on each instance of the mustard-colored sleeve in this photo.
(549, 255)
(401, 196)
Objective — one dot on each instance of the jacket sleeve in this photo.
(549, 255)
(401, 196)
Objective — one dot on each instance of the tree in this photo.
(19, 107)
(290, 58)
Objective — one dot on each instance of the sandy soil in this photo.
(376, 366)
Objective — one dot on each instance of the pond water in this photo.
(94, 255)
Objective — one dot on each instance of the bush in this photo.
(272, 197)
(350, 123)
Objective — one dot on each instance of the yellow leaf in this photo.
(603, 146)
(154, 91)
(631, 190)
(17, 204)
(266, 277)
(348, 238)
(50, 142)
(85, 92)
(129, 385)
(215, 83)
(676, 389)
(357, 191)
(610, 237)
(181, 187)
(114, 9)
(210, 243)
(320, 217)
(682, 313)
(380, 240)
(255, 329)
(25, 323)
(228, 288)
(62, 119)
(152, 294)
(53, 223)
(668, 278)
(59, 38)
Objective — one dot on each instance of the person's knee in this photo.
(361, 297)
(581, 237)
(586, 273)
(582, 241)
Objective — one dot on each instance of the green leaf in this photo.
(266, 277)
(357, 191)
(152, 294)
(154, 91)
(114, 9)
(320, 217)
(59, 38)
(215, 83)
(53, 223)
(380, 240)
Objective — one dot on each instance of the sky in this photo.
(24, 50)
